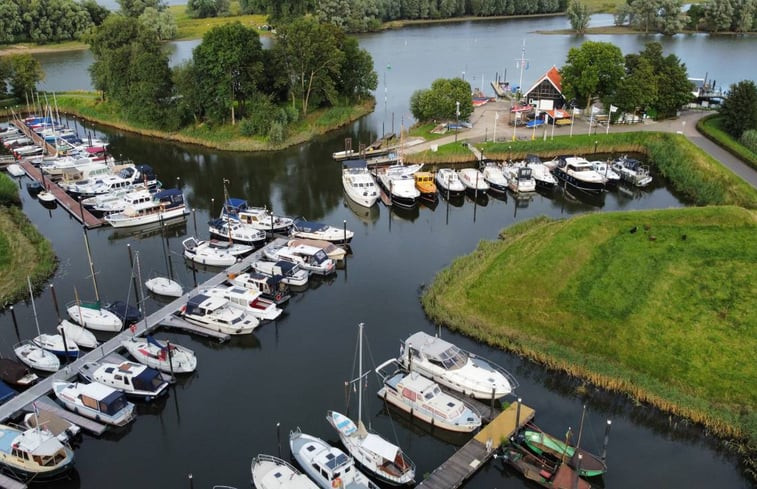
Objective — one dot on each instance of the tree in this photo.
(161, 23)
(718, 15)
(25, 73)
(671, 78)
(11, 24)
(5, 72)
(592, 70)
(440, 101)
(638, 89)
(336, 12)
(739, 109)
(135, 8)
(312, 59)
(200, 9)
(228, 67)
(644, 14)
(671, 19)
(357, 77)
(97, 12)
(579, 15)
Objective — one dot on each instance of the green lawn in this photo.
(667, 313)
(195, 28)
(712, 127)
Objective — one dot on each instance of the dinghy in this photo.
(155, 354)
(91, 316)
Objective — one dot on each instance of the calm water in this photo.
(292, 371)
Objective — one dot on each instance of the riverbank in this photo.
(711, 127)
(659, 305)
(227, 137)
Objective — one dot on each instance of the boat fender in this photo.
(336, 483)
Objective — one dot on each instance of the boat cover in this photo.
(354, 164)
(303, 225)
(378, 445)
(6, 392)
(234, 206)
(194, 302)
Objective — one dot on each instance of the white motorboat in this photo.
(229, 229)
(33, 453)
(81, 336)
(54, 344)
(304, 229)
(310, 258)
(520, 179)
(328, 466)
(358, 183)
(449, 182)
(473, 180)
(257, 217)
(540, 171)
(375, 454)
(65, 431)
(92, 316)
(424, 399)
(578, 173)
(217, 314)
(399, 185)
(154, 353)
(133, 379)
(270, 472)
(494, 176)
(15, 170)
(455, 368)
(632, 171)
(95, 401)
(133, 197)
(36, 357)
(46, 196)
(612, 179)
(271, 287)
(213, 253)
(248, 300)
(164, 286)
(164, 205)
(291, 273)
(336, 253)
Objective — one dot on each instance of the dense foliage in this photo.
(645, 82)
(365, 15)
(20, 72)
(440, 102)
(207, 8)
(44, 21)
(579, 16)
(667, 16)
(740, 108)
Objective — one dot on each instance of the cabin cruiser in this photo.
(257, 217)
(540, 171)
(424, 399)
(165, 204)
(327, 465)
(424, 182)
(578, 173)
(132, 196)
(358, 183)
(454, 368)
(217, 314)
(228, 229)
(270, 472)
(291, 273)
(33, 453)
(612, 179)
(133, 379)
(449, 182)
(494, 176)
(155, 353)
(304, 229)
(399, 184)
(336, 253)
(214, 252)
(473, 180)
(632, 171)
(271, 287)
(519, 178)
(310, 258)
(96, 401)
(248, 300)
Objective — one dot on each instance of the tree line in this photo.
(367, 15)
(230, 78)
(668, 17)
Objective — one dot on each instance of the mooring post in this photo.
(492, 406)
(170, 361)
(271, 222)
(607, 439)
(577, 475)
(55, 301)
(278, 436)
(194, 219)
(15, 323)
(65, 346)
(191, 484)
(344, 227)
(517, 415)
(81, 210)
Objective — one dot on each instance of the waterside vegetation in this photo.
(712, 128)
(656, 304)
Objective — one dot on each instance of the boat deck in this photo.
(44, 403)
(467, 460)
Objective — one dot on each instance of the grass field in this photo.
(195, 28)
(667, 313)
(711, 126)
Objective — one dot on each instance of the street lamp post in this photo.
(595, 146)
(457, 117)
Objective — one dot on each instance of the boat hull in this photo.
(585, 186)
(393, 397)
(97, 319)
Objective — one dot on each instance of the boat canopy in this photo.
(234, 206)
(148, 379)
(306, 226)
(173, 195)
(533, 159)
(437, 350)
(6, 392)
(354, 164)
(378, 445)
(285, 266)
(198, 301)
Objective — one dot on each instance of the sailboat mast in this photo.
(360, 376)
(91, 265)
(34, 308)
(580, 430)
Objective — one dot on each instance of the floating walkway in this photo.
(467, 460)
(18, 404)
(36, 138)
(8, 483)
(44, 403)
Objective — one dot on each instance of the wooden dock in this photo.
(44, 403)
(467, 460)
(74, 207)
(36, 138)
(8, 483)
(148, 325)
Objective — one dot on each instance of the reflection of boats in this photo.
(541, 471)
(366, 214)
(358, 183)
(269, 472)
(33, 453)
(424, 399)
(455, 368)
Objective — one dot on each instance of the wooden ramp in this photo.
(74, 207)
(467, 460)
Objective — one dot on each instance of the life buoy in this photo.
(337, 482)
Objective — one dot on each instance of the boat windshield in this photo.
(453, 358)
(113, 403)
(148, 380)
(320, 256)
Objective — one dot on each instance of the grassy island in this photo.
(661, 305)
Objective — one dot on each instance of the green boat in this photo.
(544, 444)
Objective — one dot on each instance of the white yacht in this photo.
(164, 205)
(520, 178)
(217, 314)
(96, 401)
(612, 179)
(454, 368)
(291, 273)
(155, 353)
(270, 472)
(271, 287)
(310, 258)
(449, 182)
(358, 183)
(305, 229)
(578, 173)
(36, 357)
(247, 300)
(473, 180)
(399, 184)
(79, 335)
(164, 286)
(92, 316)
(632, 171)
(540, 171)
(133, 379)
(494, 176)
(257, 217)
(214, 253)
(229, 229)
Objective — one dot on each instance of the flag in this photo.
(576, 111)
(613, 108)
(594, 109)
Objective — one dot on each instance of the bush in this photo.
(749, 139)
(261, 114)
(8, 191)
(277, 133)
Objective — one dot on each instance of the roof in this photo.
(558, 114)
(168, 193)
(6, 392)
(554, 77)
(378, 445)
(96, 391)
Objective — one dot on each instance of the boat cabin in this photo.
(330, 464)
(35, 448)
(102, 398)
(129, 376)
(443, 354)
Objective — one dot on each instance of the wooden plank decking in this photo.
(8, 483)
(467, 460)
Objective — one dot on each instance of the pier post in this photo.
(492, 405)
(13, 316)
(278, 436)
(191, 484)
(344, 228)
(65, 346)
(607, 439)
(577, 475)
(170, 362)
(55, 301)
(194, 219)
(517, 415)
(81, 210)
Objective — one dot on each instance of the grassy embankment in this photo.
(666, 314)
(692, 172)
(226, 137)
(711, 127)
(23, 250)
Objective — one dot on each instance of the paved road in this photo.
(483, 120)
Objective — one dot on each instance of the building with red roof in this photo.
(546, 93)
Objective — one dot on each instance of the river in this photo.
(292, 371)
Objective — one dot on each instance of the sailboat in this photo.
(383, 459)
(32, 354)
(90, 314)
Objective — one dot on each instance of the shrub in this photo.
(277, 133)
(749, 139)
(8, 191)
